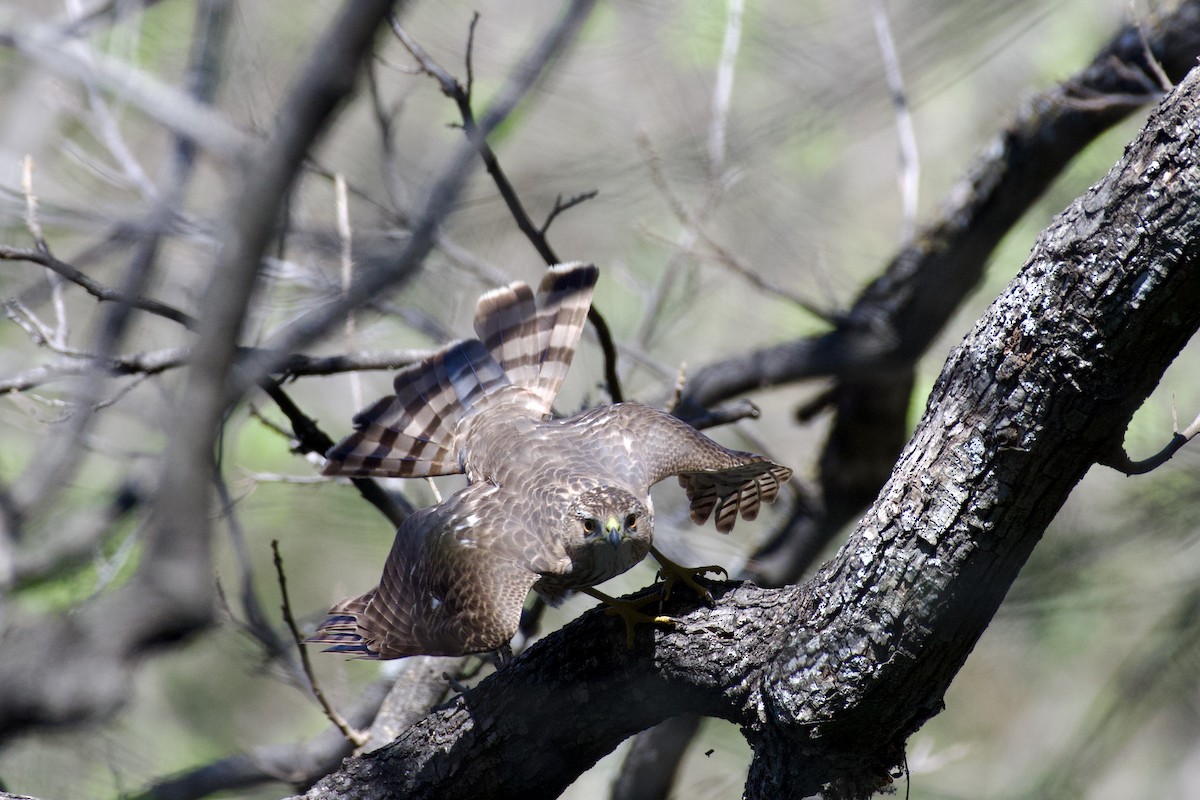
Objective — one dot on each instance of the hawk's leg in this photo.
(630, 611)
(672, 573)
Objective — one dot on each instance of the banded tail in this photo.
(521, 357)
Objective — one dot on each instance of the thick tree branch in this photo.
(896, 317)
(829, 680)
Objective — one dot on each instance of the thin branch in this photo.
(156, 361)
(1153, 64)
(677, 389)
(311, 439)
(470, 57)
(59, 334)
(345, 236)
(299, 364)
(439, 200)
(910, 163)
(456, 92)
(717, 180)
(1121, 462)
(150, 363)
(39, 332)
(561, 205)
(354, 736)
(694, 224)
(74, 59)
(724, 414)
(256, 625)
(716, 252)
(723, 88)
(31, 215)
(104, 126)
(43, 257)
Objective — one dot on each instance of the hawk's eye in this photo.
(631, 521)
(590, 525)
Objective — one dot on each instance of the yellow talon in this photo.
(630, 611)
(672, 573)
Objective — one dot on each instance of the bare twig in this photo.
(109, 132)
(717, 182)
(714, 251)
(1155, 66)
(149, 363)
(439, 199)
(693, 223)
(677, 389)
(354, 736)
(59, 334)
(280, 477)
(723, 88)
(43, 257)
(300, 364)
(561, 205)
(723, 414)
(31, 215)
(536, 236)
(1121, 462)
(470, 57)
(156, 361)
(311, 439)
(256, 624)
(910, 164)
(39, 332)
(345, 236)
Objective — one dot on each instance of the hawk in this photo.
(554, 505)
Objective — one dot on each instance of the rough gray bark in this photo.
(829, 679)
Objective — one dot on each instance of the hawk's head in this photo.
(609, 530)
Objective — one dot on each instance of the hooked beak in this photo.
(612, 527)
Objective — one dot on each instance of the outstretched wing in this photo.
(534, 339)
(450, 586)
(719, 482)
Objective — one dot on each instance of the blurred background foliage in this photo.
(804, 193)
